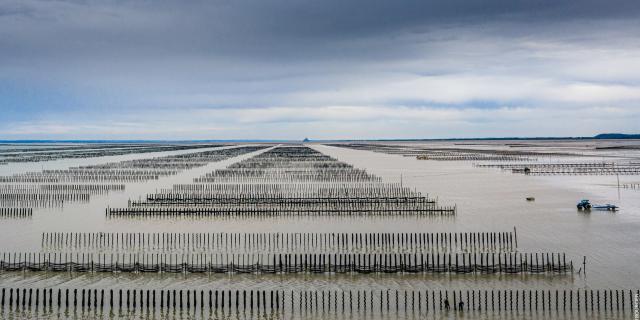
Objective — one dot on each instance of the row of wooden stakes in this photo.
(16, 212)
(270, 212)
(340, 301)
(478, 263)
(266, 242)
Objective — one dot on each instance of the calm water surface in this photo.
(486, 199)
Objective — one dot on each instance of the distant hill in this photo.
(617, 136)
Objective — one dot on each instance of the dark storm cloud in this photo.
(262, 29)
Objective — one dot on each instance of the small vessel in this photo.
(585, 204)
(608, 207)
(531, 199)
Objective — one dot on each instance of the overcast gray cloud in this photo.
(323, 69)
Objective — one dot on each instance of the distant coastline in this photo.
(602, 136)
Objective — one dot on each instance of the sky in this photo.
(331, 69)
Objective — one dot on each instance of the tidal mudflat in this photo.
(409, 230)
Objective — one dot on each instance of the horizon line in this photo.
(608, 136)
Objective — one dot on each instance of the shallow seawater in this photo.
(490, 199)
(486, 199)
